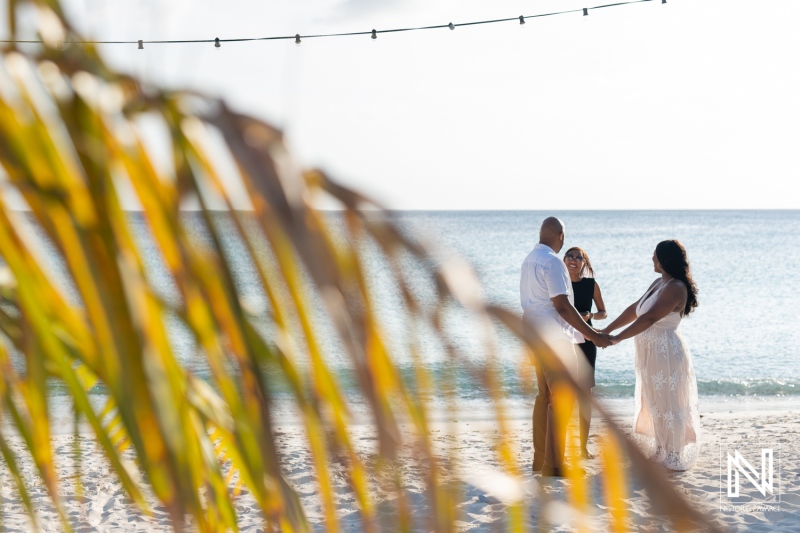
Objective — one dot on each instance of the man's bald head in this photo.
(552, 233)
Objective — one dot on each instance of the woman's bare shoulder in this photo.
(676, 285)
(674, 291)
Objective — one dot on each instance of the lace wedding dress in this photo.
(666, 422)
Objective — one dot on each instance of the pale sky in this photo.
(692, 105)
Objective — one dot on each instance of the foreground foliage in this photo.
(72, 147)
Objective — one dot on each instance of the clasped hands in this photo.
(604, 339)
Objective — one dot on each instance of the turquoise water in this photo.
(745, 264)
(741, 336)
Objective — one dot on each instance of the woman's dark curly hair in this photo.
(672, 256)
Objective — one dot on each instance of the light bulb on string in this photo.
(62, 46)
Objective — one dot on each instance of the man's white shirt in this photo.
(545, 276)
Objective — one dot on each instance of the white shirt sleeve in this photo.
(556, 278)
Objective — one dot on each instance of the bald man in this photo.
(547, 304)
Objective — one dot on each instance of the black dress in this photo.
(583, 291)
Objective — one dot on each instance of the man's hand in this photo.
(600, 340)
(571, 316)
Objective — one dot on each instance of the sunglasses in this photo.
(574, 257)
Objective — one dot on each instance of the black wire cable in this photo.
(347, 34)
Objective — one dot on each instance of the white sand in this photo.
(104, 506)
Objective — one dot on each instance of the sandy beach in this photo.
(103, 505)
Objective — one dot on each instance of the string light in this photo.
(374, 33)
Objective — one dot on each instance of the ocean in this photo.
(741, 335)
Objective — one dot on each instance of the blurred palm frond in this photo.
(80, 309)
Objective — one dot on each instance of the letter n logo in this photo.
(741, 465)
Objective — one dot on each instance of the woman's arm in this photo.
(671, 296)
(628, 315)
(625, 318)
(598, 302)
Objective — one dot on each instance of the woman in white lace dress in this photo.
(666, 420)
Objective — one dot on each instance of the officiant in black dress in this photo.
(586, 291)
